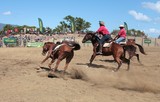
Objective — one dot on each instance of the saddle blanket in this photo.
(107, 44)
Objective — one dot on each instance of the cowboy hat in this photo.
(121, 26)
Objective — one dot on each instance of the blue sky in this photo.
(138, 14)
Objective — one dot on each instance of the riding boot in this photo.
(100, 50)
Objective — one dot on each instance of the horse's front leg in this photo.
(43, 62)
(48, 56)
(44, 59)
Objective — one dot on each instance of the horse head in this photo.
(89, 36)
(46, 47)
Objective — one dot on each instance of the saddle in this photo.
(69, 43)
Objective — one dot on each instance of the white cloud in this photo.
(153, 31)
(139, 16)
(7, 13)
(153, 6)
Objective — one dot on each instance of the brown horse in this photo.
(132, 49)
(115, 50)
(65, 50)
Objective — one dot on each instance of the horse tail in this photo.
(141, 49)
(76, 46)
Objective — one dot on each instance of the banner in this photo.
(35, 44)
(126, 27)
(40, 25)
(10, 41)
(73, 26)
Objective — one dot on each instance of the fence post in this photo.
(155, 42)
(142, 41)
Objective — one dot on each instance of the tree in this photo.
(64, 26)
(48, 30)
(8, 27)
(81, 24)
(71, 21)
(77, 23)
(58, 29)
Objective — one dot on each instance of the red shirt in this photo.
(102, 30)
(122, 33)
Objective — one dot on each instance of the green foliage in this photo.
(8, 27)
(131, 32)
(73, 24)
(81, 24)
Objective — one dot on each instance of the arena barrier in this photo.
(87, 43)
(10, 42)
(35, 44)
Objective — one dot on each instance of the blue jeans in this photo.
(104, 38)
(120, 39)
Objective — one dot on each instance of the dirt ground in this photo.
(20, 81)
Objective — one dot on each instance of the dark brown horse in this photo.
(132, 49)
(115, 50)
(65, 50)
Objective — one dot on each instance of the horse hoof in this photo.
(52, 75)
(38, 67)
(89, 65)
(39, 70)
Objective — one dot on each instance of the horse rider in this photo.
(121, 35)
(102, 31)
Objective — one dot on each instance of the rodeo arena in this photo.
(63, 67)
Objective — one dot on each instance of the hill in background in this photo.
(2, 25)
